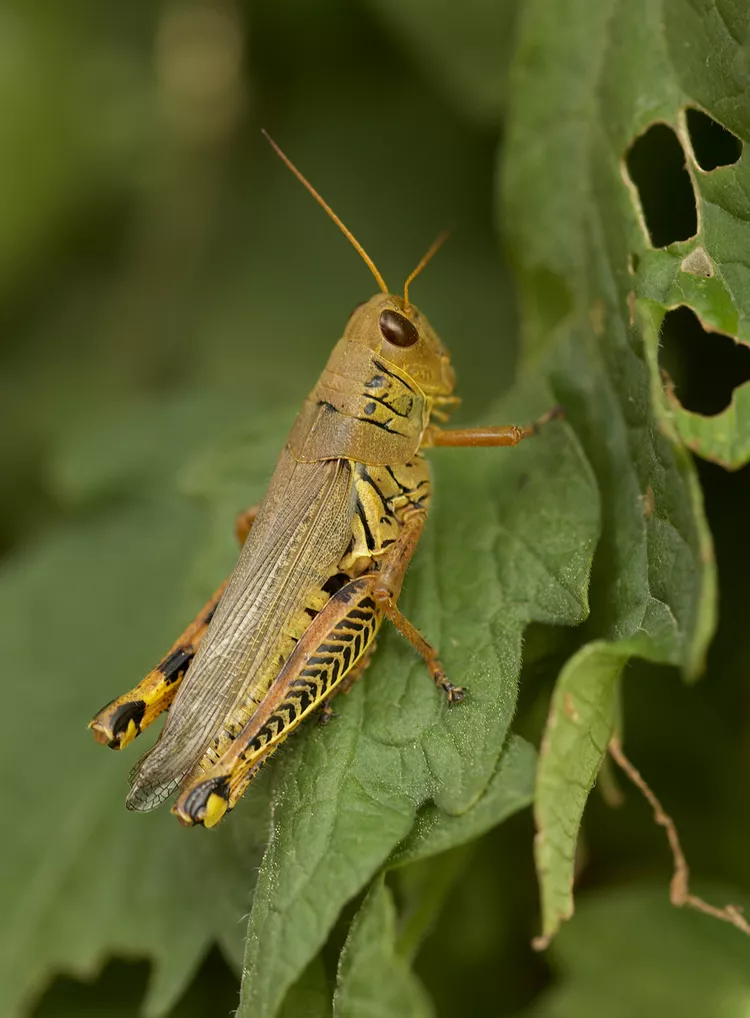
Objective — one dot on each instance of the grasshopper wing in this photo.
(300, 535)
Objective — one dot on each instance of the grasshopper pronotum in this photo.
(322, 564)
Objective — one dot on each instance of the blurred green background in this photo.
(152, 246)
(152, 241)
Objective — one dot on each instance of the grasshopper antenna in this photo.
(327, 208)
(431, 250)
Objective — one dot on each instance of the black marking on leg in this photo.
(305, 684)
(347, 655)
(304, 699)
(315, 660)
(197, 800)
(357, 613)
(348, 623)
(175, 664)
(330, 648)
(122, 717)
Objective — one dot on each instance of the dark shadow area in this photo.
(692, 740)
(713, 144)
(485, 929)
(705, 367)
(656, 165)
(122, 984)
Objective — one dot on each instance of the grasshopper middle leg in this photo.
(387, 588)
(117, 724)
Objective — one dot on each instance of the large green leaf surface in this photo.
(429, 863)
(148, 502)
(347, 797)
(111, 881)
(587, 80)
(82, 877)
(145, 499)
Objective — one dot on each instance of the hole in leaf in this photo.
(656, 165)
(713, 144)
(704, 367)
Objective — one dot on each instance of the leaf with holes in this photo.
(691, 177)
(588, 80)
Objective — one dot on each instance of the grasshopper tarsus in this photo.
(326, 714)
(454, 694)
(557, 413)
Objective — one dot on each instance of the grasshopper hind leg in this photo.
(121, 720)
(345, 686)
(117, 724)
(333, 646)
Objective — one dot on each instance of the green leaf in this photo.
(310, 997)
(587, 80)
(590, 80)
(510, 789)
(347, 796)
(84, 613)
(433, 857)
(373, 981)
(147, 498)
(677, 961)
(580, 724)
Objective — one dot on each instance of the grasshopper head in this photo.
(388, 325)
(400, 334)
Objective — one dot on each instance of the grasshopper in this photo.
(322, 564)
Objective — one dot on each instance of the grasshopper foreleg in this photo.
(123, 719)
(508, 434)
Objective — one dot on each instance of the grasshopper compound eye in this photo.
(397, 330)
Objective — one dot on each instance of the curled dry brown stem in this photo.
(679, 888)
